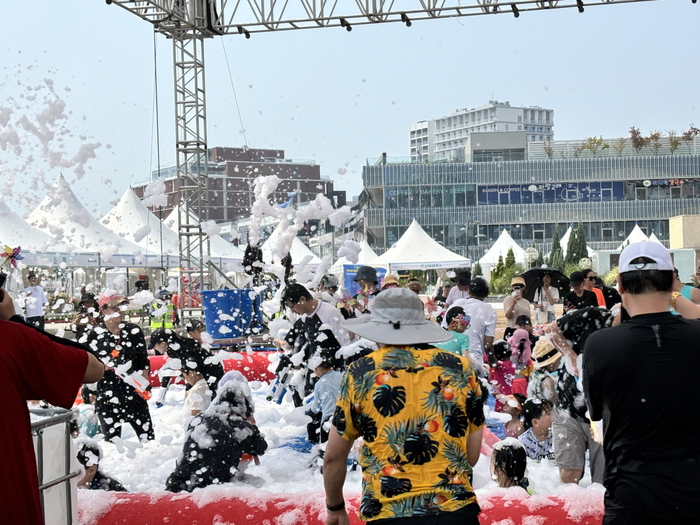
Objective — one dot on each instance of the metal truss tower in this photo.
(189, 22)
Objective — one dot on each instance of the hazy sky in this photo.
(330, 95)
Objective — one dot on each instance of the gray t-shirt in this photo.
(326, 391)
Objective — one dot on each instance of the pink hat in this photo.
(111, 300)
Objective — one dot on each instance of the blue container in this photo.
(229, 313)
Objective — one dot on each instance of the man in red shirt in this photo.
(33, 365)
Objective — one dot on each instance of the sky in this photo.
(330, 95)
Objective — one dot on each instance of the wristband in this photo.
(674, 296)
(336, 508)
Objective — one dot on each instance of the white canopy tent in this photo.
(15, 231)
(365, 255)
(131, 220)
(272, 250)
(654, 238)
(500, 249)
(231, 257)
(63, 216)
(416, 250)
(636, 235)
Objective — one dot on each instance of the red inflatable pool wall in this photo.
(219, 506)
(252, 365)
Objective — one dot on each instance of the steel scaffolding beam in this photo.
(192, 163)
(244, 17)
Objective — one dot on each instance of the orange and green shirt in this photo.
(414, 408)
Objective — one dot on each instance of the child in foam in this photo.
(216, 439)
(508, 464)
(457, 322)
(537, 438)
(501, 376)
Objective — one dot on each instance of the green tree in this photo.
(476, 269)
(510, 258)
(556, 256)
(576, 249)
(498, 270)
(540, 259)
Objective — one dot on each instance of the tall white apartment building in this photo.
(443, 139)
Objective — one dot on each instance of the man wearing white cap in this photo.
(638, 377)
(419, 410)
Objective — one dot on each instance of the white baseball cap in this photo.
(652, 250)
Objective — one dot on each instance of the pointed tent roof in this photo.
(637, 235)
(564, 243)
(298, 251)
(416, 250)
(62, 215)
(219, 246)
(132, 220)
(500, 248)
(15, 231)
(654, 238)
(365, 255)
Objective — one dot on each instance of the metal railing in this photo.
(52, 417)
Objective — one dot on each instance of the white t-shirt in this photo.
(541, 298)
(35, 301)
(482, 323)
(326, 392)
(522, 307)
(198, 398)
(456, 294)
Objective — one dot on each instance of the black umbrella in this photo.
(533, 281)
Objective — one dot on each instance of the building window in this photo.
(520, 119)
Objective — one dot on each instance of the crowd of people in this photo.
(421, 383)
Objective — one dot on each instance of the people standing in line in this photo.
(579, 297)
(462, 279)
(35, 301)
(121, 346)
(546, 296)
(33, 365)
(639, 380)
(482, 324)
(419, 410)
(589, 280)
(515, 305)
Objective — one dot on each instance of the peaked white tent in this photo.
(131, 220)
(416, 250)
(63, 216)
(271, 250)
(564, 243)
(15, 231)
(654, 238)
(500, 249)
(636, 235)
(365, 255)
(219, 247)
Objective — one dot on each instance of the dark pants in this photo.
(36, 321)
(135, 412)
(314, 430)
(468, 515)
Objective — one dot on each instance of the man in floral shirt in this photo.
(419, 410)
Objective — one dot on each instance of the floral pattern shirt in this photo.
(414, 408)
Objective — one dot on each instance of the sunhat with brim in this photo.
(390, 279)
(545, 353)
(517, 280)
(111, 300)
(397, 318)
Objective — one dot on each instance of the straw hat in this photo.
(397, 318)
(545, 353)
(390, 279)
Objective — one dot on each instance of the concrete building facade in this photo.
(232, 172)
(444, 139)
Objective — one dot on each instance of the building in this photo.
(444, 139)
(232, 172)
(608, 189)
